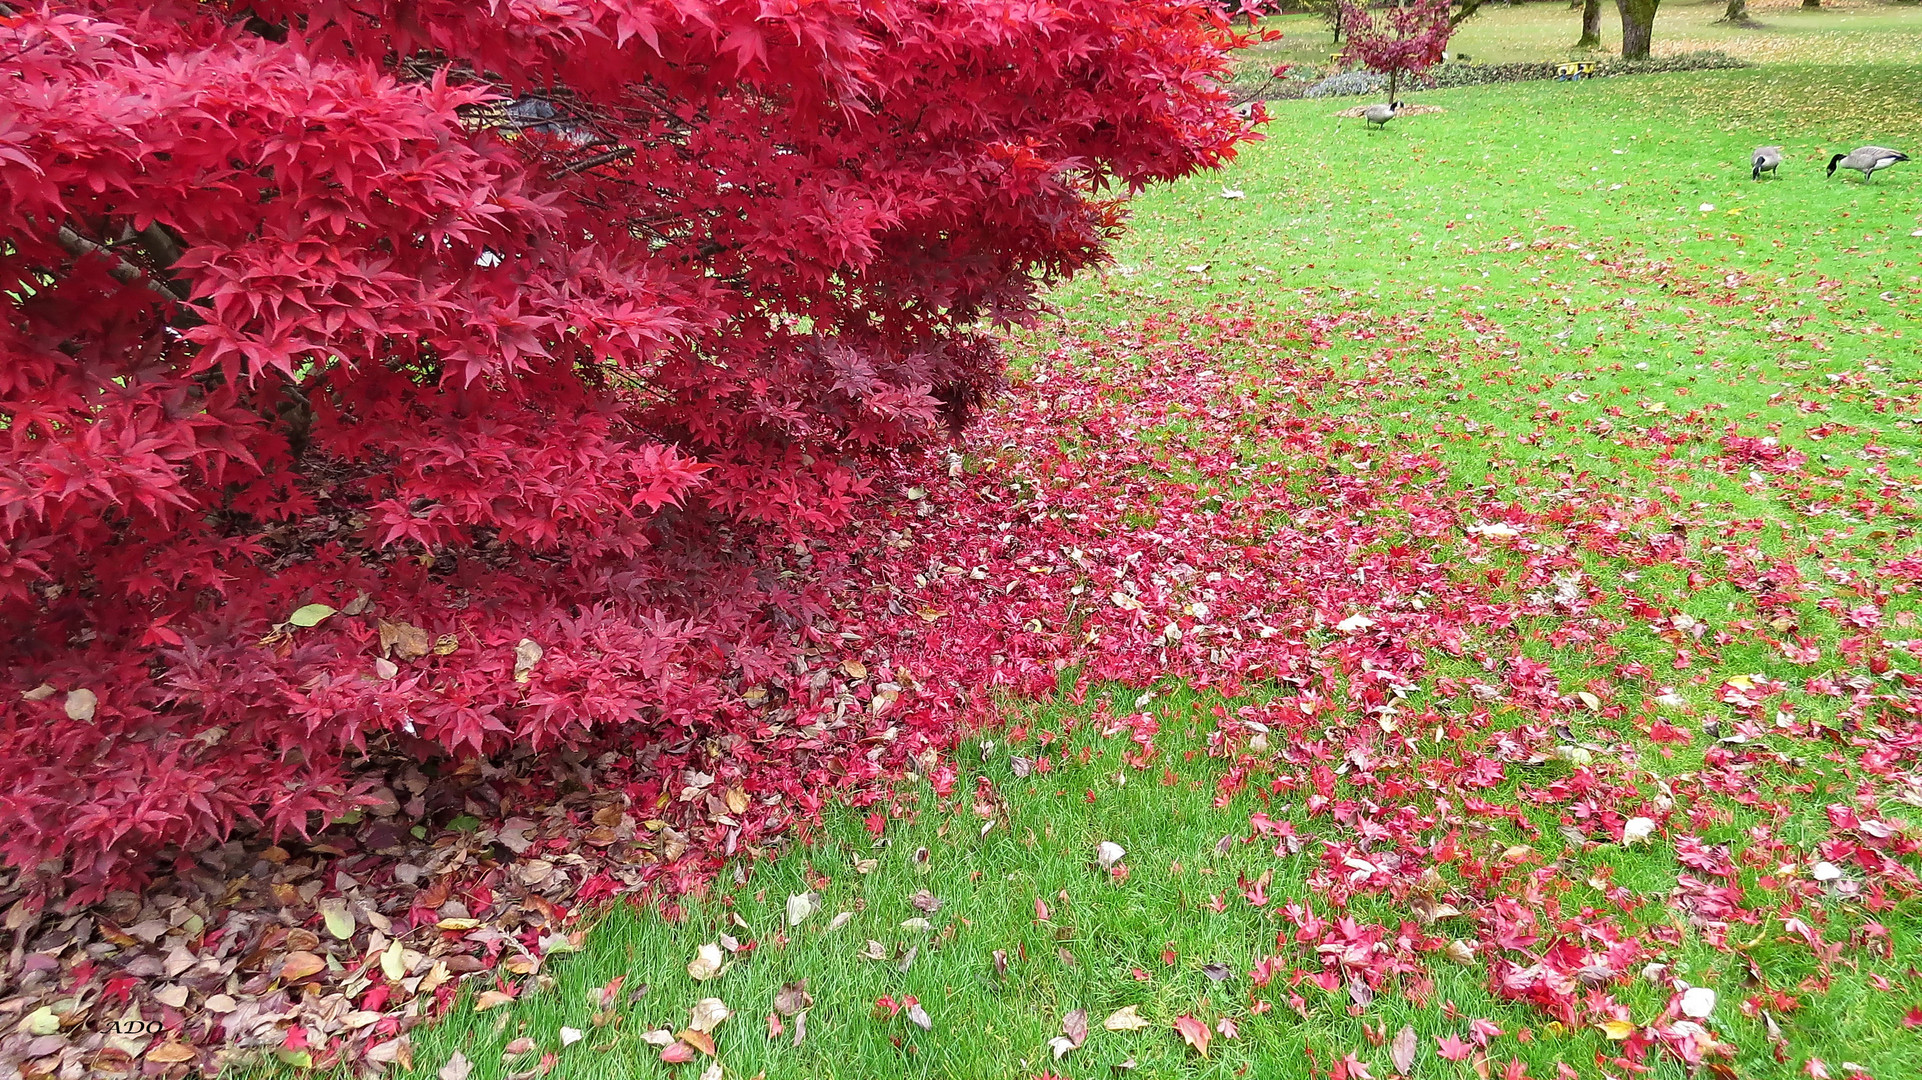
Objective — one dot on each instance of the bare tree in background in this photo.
(1638, 26)
(1591, 25)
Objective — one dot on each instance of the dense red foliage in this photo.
(1406, 39)
(517, 333)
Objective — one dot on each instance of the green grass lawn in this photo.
(1588, 271)
(1844, 34)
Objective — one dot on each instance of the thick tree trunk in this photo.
(1811, 4)
(1394, 84)
(1591, 25)
(1737, 12)
(1638, 25)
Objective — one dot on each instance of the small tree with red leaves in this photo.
(429, 377)
(1404, 40)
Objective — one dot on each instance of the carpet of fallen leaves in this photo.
(327, 951)
(1208, 499)
(1149, 509)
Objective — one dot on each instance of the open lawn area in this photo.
(1522, 505)
(1842, 34)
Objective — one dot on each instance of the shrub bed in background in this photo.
(1458, 74)
(1347, 83)
(1448, 75)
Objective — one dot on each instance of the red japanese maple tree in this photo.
(433, 376)
(1401, 40)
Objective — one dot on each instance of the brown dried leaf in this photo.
(1402, 1050)
(526, 655)
(707, 963)
(1075, 1026)
(24, 913)
(405, 640)
(793, 998)
(171, 1053)
(707, 1015)
(299, 965)
(699, 1040)
(80, 704)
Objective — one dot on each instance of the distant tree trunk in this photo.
(1339, 12)
(1737, 12)
(1464, 9)
(1807, 4)
(1638, 25)
(1591, 25)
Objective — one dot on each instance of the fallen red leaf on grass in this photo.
(1194, 1032)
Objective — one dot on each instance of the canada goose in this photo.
(1379, 115)
(1867, 160)
(1764, 160)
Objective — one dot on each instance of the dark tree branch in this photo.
(1463, 13)
(594, 162)
(122, 270)
(159, 242)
